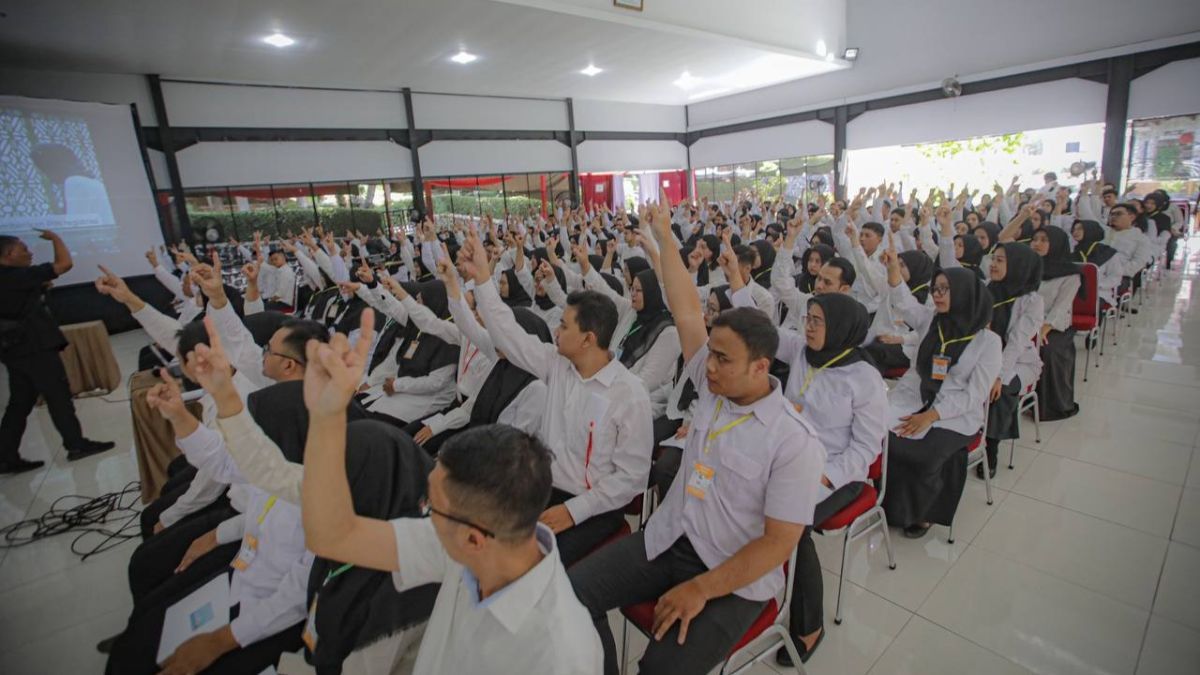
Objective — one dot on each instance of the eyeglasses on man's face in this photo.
(427, 510)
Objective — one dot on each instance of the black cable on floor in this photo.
(113, 517)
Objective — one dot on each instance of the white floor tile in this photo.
(1170, 649)
(1041, 622)
(1161, 460)
(924, 648)
(1187, 522)
(69, 650)
(1104, 416)
(1117, 561)
(869, 624)
(1179, 590)
(1112, 495)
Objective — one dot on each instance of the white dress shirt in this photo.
(609, 411)
(535, 624)
(657, 365)
(277, 283)
(769, 466)
(1058, 297)
(1021, 357)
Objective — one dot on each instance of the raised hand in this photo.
(114, 287)
(167, 398)
(209, 364)
(334, 370)
(250, 271)
(364, 273)
(152, 258)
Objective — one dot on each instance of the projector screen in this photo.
(76, 168)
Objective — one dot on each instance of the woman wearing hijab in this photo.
(887, 351)
(939, 403)
(966, 253)
(550, 291)
(822, 235)
(511, 395)
(988, 234)
(842, 397)
(1018, 313)
(764, 259)
(710, 273)
(1088, 237)
(358, 622)
(810, 265)
(1061, 279)
(511, 291)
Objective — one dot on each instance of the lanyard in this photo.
(337, 572)
(632, 329)
(1090, 249)
(920, 288)
(1004, 302)
(812, 373)
(267, 509)
(946, 343)
(712, 435)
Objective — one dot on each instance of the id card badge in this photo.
(247, 553)
(310, 627)
(412, 349)
(701, 481)
(941, 366)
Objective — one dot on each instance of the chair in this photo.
(894, 373)
(768, 632)
(977, 454)
(1028, 401)
(860, 517)
(1085, 313)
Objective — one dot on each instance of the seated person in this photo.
(598, 420)
(1087, 238)
(938, 405)
(887, 350)
(713, 553)
(1061, 279)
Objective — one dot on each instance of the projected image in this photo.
(49, 174)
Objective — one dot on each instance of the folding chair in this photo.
(860, 517)
(1085, 314)
(1029, 400)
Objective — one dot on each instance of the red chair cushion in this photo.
(975, 441)
(861, 504)
(642, 616)
(1083, 322)
(894, 373)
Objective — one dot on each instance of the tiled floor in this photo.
(1087, 562)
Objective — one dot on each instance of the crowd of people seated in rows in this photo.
(417, 453)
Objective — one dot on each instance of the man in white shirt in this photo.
(505, 604)
(712, 554)
(277, 283)
(598, 423)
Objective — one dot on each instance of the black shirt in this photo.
(22, 300)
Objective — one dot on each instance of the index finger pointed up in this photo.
(366, 334)
(214, 337)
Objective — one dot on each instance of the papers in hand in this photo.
(205, 610)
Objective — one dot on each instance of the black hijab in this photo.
(972, 256)
(597, 261)
(970, 312)
(993, 234)
(543, 301)
(431, 352)
(766, 259)
(846, 326)
(517, 297)
(635, 265)
(1022, 277)
(650, 323)
(1057, 261)
(506, 380)
(807, 283)
(822, 235)
(920, 273)
(388, 474)
(613, 282)
(1092, 249)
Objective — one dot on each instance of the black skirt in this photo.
(925, 477)
(1056, 388)
(1002, 421)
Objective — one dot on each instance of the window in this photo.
(253, 211)
(491, 197)
(704, 183)
(209, 209)
(521, 196)
(464, 200)
(723, 188)
(819, 176)
(296, 207)
(1164, 154)
(793, 176)
(743, 175)
(399, 203)
(767, 180)
(335, 207)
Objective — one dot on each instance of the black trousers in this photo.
(28, 376)
(135, 650)
(925, 477)
(154, 560)
(1003, 423)
(808, 592)
(620, 575)
(1172, 246)
(575, 543)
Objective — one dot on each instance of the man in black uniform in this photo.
(29, 345)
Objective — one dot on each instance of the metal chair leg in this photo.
(987, 477)
(837, 616)
(1037, 419)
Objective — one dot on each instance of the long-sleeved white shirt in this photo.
(608, 412)
(1058, 297)
(657, 365)
(277, 283)
(1020, 357)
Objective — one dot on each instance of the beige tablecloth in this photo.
(153, 438)
(88, 358)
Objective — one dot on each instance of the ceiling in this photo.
(529, 48)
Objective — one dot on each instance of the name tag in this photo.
(412, 349)
(701, 481)
(310, 627)
(941, 366)
(247, 553)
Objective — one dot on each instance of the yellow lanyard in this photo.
(920, 288)
(1003, 303)
(812, 373)
(946, 343)
(712, 435)
(1090, 249)
(266, 509)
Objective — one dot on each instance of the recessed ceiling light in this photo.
(279, 40)
(463, 57)
(592, 70)
(850, 54)
(687, 81)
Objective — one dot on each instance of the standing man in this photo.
(29, 345)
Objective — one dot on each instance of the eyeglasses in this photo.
(267, 350)
(811, 321)
(427, 510)
(939, 290)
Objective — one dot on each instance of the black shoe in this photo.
(20, 465)
(105, 646)
(87, 448)
(991, 471)
(783, 658)
(916, 531)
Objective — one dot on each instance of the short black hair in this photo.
(745, 254)
(300, 331)
(7, 242)
(875, 227)
(192, 334)
(899, 210)
(1108, 191)
(1133, 211)
(498, 476)
(755, 328)
(594, 313)
(849, 276)
(1051, 175)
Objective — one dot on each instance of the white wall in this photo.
(790, 140)
(615, 116)
(1038, 106)
(456, 158)
(191, 104)
(444, 111)
(244, 163)
(71, 86)
(1169, 90)
(629, 155)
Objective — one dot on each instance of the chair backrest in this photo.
(1087, 303)
(878, 471)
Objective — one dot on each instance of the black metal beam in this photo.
(571, 143)
(167, 145)
(678, 137)
(418, 183)
(1116, 111)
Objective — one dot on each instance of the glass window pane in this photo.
(723, 185)
(253, 210)
(767, 182)
(491, 197)
(819, 180)
(369, 208)
(335, 207)
(400, 203)
(793, 175)
(439, 190)
(464, 201)
(744, 177)
(209, 209)
(295, 206)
